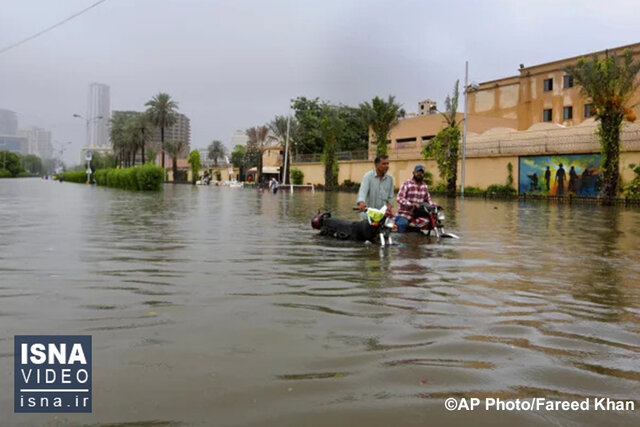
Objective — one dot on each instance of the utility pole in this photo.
(464, 127)
(286, 150)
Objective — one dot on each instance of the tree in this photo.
(331, 127)
(608, 83)
(101, 161)
(308, 136)
(141, 129)
(238, 158)
(215, 151)
(151, 153)
(32, 164)
(162, 113)
(11, 162)
(445, 146)
(279, 133)
(355, 135)
(176, 149)
(258, 137)
(195, 162)
(120, 140)
(381, 116)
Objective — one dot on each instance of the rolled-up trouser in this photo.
(402, 223)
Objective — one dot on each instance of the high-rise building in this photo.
(8, 122)
(39, 141)
(13, 143)
(239, 137)
(179, 131)
(98, 113)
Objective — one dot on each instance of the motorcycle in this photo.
(428, 218)
(375, 229)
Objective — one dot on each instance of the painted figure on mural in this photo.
(547, 177)
(573, 180)
(561, 176)
(533, 182)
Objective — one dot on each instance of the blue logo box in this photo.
(52, 373)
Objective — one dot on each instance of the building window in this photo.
(548, 84)
(567, 113)
(568, 81)
(587, 110)
(546, 115)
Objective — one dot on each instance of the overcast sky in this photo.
(235, 64)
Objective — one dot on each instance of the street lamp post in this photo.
(285, 174)
(464, 127)
(63, 146)
(87, 122)
(467, 88)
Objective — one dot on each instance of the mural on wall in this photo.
(559, 175)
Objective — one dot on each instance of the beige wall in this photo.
(224, 172)
(479, 171)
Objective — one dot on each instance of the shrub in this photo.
(5, 173)
(632, 190)
(147, 177)
(473, 191)
(297, 176)
(350, 184)
(497, 190)
(438, 188)
(74, 176)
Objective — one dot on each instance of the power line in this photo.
(4, 49)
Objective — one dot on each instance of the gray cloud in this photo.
(235, 64)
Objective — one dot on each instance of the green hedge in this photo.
(139, 178)
(74, 176)
(5, 173)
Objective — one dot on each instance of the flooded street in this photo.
(221, 306)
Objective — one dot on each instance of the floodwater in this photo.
(221, 306)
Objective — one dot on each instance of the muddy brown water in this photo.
(221, 306)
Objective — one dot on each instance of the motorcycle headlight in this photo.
(440, 216)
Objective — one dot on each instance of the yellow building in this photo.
(540, 93)
(407, 138)
(533, 113)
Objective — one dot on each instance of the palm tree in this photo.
(258, 137)
(608, 83)
(119, 138)
(142, 130)
(381, 116)
(162, 113)
(175, 150)
(215, 151)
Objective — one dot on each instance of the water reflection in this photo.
(226, 304)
